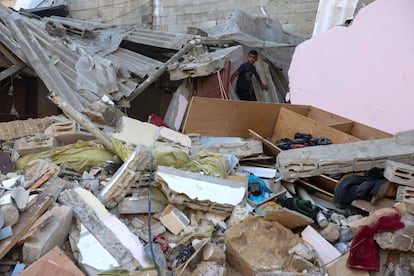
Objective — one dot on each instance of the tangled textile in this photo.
(302, 206)
(364, 251)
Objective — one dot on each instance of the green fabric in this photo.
(80, 156)
(302, 206)
(212, 164)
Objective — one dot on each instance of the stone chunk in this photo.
(54, 233)
(11, 214)
(401, 240)
(256, 245)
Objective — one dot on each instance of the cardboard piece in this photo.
(288, 218)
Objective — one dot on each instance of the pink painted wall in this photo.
(364, 72)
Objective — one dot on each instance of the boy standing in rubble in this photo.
(244, 86)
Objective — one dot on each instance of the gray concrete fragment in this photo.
(342, 158)
(21, 197)
(139, 205)
(399, 173)
(54, 233)
(401, 240)
(11, 214)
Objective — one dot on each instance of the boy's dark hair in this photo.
(253, 52)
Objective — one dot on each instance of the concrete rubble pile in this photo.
(168, 203)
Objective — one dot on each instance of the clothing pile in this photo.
(301, 140)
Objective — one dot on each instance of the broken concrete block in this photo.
(34, 144)
(106, 228)
(54, 233)
(21, 197)
(173, 219)
(405, 194)
(139, 205)
(200, 192)
(60, 127)
(11, 214)
(173, 137)
(136, 132)
(239, 213)
(6, 232)
(209, 268)
(399, 173)
(401, 240)
(21, 128)
(125, 176)
(256, 245)
(342, 158)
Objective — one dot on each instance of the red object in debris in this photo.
(156, 120)
(160, 239)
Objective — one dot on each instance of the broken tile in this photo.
(21, 197)
(173, 219)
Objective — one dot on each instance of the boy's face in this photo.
(251, 59)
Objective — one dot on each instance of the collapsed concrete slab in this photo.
(107, 229)
(200, 192)
(342, 158)
(17, 129)
(34, 144)
(126, 175)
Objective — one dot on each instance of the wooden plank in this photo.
(288, 218)
(314, 187)
(324, 182)
(326, 251)
(289, 123)
(216, 117)
(268, 147)
(325, 117)
(368, 207)
(26, 220)
(59, 259)
(344, 127)
(365, 132)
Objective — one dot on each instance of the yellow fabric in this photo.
(212, 164)
(80, 156)
(120, 150)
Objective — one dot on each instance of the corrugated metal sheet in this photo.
(159, 39)
(333, 13)
(63, 62)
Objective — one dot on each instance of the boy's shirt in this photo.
(246, 72)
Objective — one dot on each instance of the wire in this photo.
(149, 215)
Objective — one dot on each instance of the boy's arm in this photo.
(262, 85)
